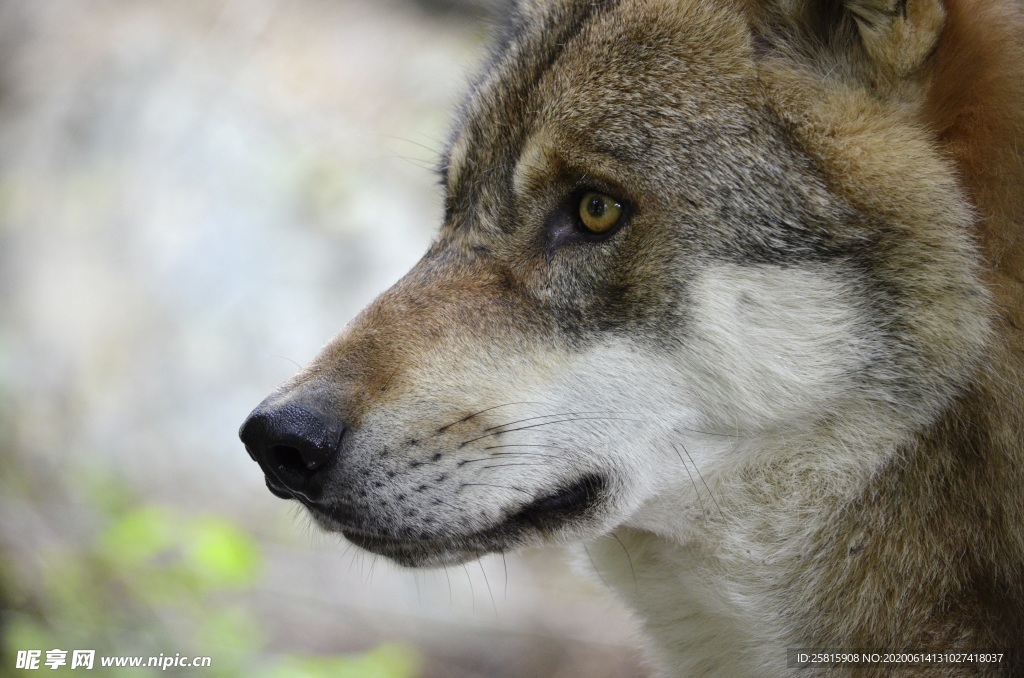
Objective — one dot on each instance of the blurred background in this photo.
(195, 196)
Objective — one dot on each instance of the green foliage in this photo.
(155, 580)
(169, 555)
(222, 554)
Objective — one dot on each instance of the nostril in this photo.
(308, 455)
(291, 459)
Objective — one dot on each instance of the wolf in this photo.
(731, 292)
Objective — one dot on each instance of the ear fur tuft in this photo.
(884, 41)
(898, 35)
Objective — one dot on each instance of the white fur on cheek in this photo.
(772, 346)
(770, 351)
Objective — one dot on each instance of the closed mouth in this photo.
(542, 517)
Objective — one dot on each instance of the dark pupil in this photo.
(596, 207)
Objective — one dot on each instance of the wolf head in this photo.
(684, 242)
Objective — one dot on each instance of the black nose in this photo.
(294, 445)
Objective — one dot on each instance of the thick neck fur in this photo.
(976, 106)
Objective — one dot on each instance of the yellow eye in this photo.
(599, 212)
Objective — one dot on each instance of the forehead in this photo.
(611, 77)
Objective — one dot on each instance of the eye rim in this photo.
(565, 227)
(603, 225)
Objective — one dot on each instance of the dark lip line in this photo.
(503, 536)
(411, 541)
(569, 499)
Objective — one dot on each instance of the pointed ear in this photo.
(888, 40)
(898, 35)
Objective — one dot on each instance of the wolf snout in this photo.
(294, 444)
